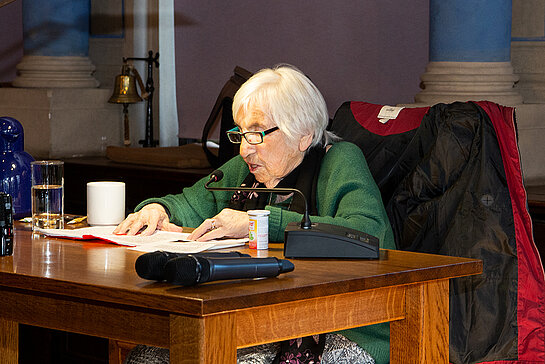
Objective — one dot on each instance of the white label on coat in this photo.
(388, 113)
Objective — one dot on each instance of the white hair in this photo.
(288, 98)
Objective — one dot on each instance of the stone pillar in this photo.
(528, 58)
(528, 49)
(56, 45)
(469, 52)
(55, 97)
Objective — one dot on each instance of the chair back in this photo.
(222, 112)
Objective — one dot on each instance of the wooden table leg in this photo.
(9, 342)
(423, 336)
(207, 340)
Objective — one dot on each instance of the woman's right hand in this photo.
(152, 216)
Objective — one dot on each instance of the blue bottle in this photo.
(15, 166)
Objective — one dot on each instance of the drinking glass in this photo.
(47, 194)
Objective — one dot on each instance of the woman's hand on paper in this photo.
(152, 216)
(228, 223)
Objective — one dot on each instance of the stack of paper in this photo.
(159, 240)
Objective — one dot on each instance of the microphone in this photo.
(314, 240)
(195, 269)
(152, 265)
(217, 175)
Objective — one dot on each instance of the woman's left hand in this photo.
(228, 223)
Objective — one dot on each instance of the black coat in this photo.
(451, 181)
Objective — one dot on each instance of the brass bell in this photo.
(125, 91)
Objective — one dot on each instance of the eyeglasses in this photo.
(252, 137)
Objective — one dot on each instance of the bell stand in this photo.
(150, 61)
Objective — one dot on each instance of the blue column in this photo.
(470, 30)
(470, 53)
(56, 27)
(56, 45)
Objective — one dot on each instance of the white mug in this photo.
(105, 203)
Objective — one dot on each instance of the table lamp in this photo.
(125, 93)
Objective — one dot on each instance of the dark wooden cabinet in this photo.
(141, 181)
(536, 205)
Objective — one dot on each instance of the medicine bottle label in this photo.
(258, 230)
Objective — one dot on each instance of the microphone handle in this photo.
(237, 268)
(193, 269)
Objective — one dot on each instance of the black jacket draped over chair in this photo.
(451, 181)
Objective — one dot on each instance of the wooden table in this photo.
(92, 288)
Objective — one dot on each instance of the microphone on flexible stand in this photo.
(314, 240)
(217, 176)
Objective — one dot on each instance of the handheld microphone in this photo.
(195, 269)
(152, 265)
(314, 240)
(217, 175)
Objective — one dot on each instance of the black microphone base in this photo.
(328, 241)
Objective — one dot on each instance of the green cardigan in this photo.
(346, 195)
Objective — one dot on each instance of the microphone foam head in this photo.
(219, 175)
(150, 265)
(184, 271)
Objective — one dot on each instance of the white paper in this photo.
(190, 246)
(159, 240)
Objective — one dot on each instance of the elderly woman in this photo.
(280, 119)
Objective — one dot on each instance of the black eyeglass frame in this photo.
(237, 134)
